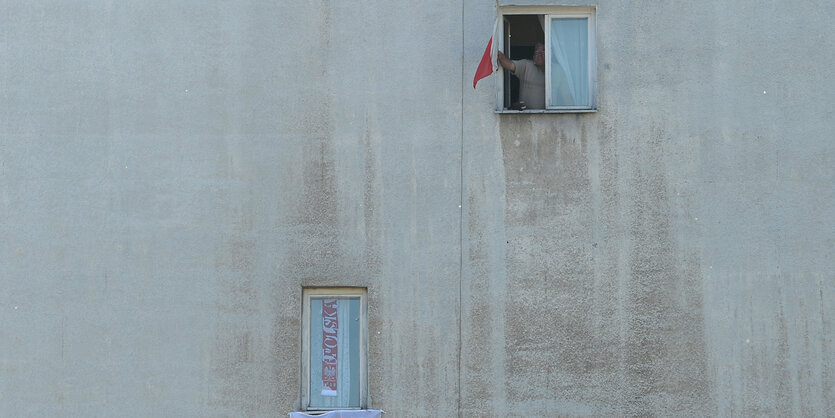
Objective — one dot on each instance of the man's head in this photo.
(539, 55)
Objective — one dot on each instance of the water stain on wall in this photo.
(561, 309)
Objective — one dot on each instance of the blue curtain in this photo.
(569, 62)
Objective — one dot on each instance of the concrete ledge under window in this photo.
(543, 111)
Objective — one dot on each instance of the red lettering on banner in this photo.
(330, 346)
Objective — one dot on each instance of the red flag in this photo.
(488, 63)
(485, 67)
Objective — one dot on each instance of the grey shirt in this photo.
(531, 84)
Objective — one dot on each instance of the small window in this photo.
(554, 51)
(334, 350)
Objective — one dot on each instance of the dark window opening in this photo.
(521, 34)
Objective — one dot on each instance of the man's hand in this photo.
(506, 63)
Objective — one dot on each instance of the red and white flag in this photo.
(489, 63)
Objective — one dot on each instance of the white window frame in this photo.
(553, 12)
(308, 294)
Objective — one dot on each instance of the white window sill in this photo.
(343, 413)
(543, 111)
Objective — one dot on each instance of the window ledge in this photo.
(543, 111)
(344, 413)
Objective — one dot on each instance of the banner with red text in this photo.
(330, 347)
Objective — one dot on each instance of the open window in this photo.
(334, 352)
(569, 76)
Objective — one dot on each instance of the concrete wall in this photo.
(172, 175)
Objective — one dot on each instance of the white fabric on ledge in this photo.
(362, 413)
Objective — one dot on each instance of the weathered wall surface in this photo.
(172, 175)
(667, 254)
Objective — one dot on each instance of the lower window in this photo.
(334, 350)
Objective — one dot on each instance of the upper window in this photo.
(334, 350)
(554, 53)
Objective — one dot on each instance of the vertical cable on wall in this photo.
(461, 218)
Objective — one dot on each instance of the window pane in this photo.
(335, 352)
(569, 62)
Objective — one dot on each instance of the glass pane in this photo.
(569, 62)
(335, 352)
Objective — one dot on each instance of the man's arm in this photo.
(506, 63)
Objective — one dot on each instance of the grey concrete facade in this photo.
(172, 174)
